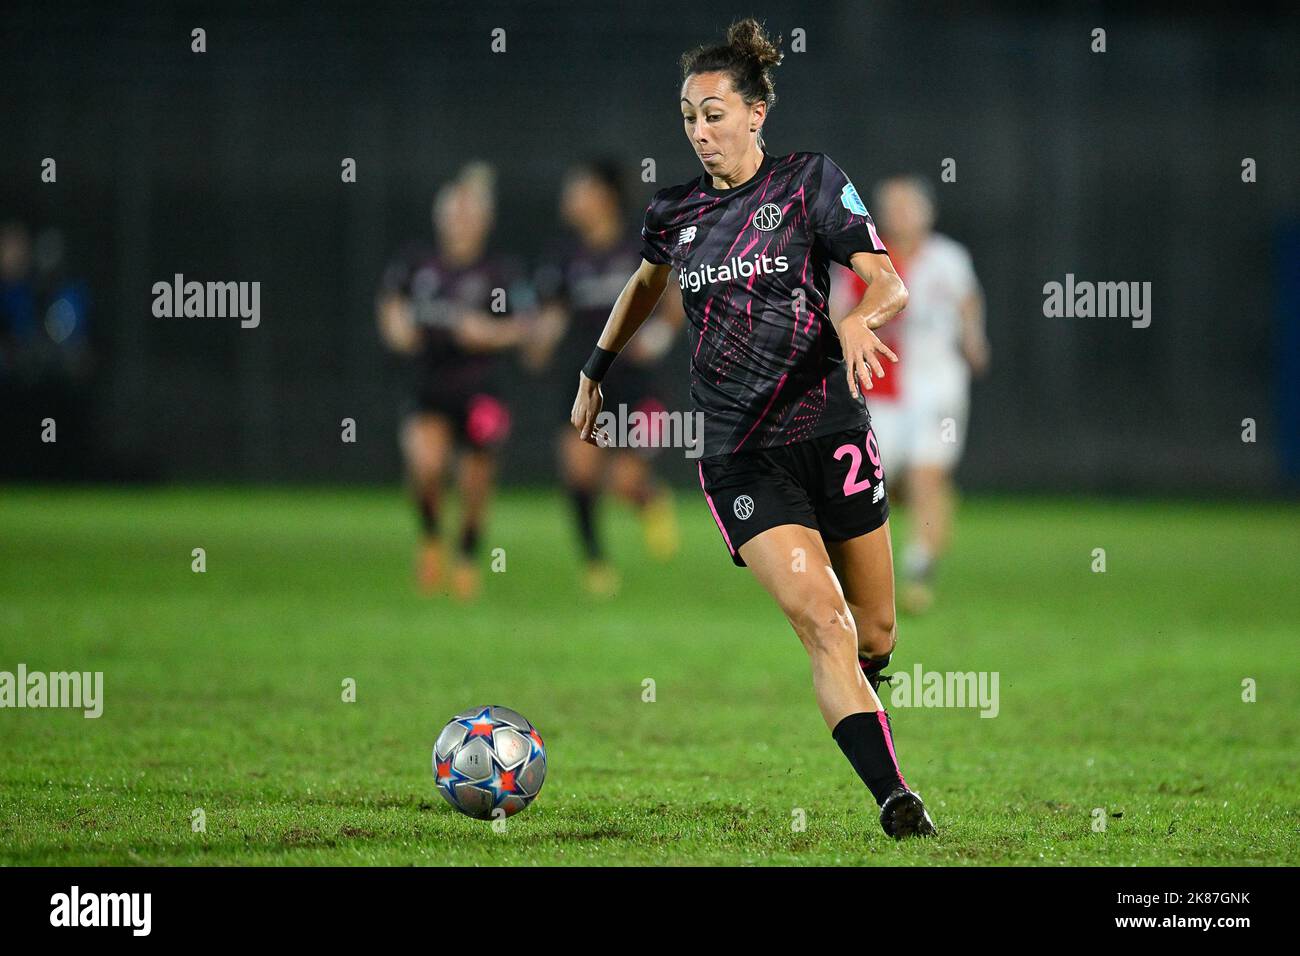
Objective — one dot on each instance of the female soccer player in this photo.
(790, 468)
(451, 309)
(577, 287)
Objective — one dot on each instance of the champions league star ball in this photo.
(489, 762)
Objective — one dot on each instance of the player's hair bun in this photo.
(748, 38)
(747, 57)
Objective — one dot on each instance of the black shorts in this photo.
(833, 484)
(478, 419)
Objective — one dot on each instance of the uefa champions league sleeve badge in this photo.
(851, 201)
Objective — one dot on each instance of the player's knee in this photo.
(634, 488)
(877, 631)
(825, 627)
(426, 474)
(581, 469)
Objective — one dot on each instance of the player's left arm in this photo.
(885, 297)
(396, 325)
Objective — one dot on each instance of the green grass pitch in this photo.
(1119, 690)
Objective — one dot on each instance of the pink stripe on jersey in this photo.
(768, 182)
(709, 499)
(704, 327)
(766, 409)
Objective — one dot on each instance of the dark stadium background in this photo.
(1122, 166)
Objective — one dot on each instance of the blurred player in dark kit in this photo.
(577, 286)
(452, 310)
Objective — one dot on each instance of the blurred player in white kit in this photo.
(920, 410)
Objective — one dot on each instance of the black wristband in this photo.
(599, 363)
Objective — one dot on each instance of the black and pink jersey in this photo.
(439, 291)
(753, 266)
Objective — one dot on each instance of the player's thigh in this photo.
(792, 564)
(929, 482)
(427, 443)
(853, 514)
(751, 494)
(477, 469)
(581, 463)
(629, 473)
(865, 568)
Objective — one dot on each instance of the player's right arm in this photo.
(885, 297)
(634, 304)
(396, 322)
(394, 312)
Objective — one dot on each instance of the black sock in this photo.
(469, 540)
(584, 509)
(867, 742)
(427, 504)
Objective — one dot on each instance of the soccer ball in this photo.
(489, 762)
